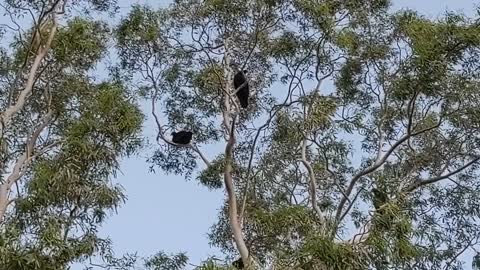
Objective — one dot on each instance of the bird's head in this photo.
(234, 66)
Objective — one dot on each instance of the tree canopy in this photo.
(359, 147)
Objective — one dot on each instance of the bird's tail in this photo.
(244, 103)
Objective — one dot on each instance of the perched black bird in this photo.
(244, 91)
(385, 221)
(379, 198)
(182, 137)
(238, 264)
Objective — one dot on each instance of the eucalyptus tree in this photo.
(359, 146)
(62, 133)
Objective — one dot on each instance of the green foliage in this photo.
(320, 111)
(288, 129)
(106, 129)
(287, 45)
(476, 262)
(210, 83)
(212, 176)
(80, 44)
(162, 261)
(285, 219)
(142, 21)
(322, 13)
(399, 113)
(177, 161)
(318, 252)
(212, 264)
(349, 79)
(432, 41)
(143, 24)
(349, 41)
(276, 230)
(79, 131)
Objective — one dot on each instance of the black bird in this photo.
(379, 198)
(238, 264)
(244, 91)
(182, 137)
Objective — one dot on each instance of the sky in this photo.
(165, 212)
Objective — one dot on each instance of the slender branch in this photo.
(377, 164)
(418, 184)
(24, 160)
(327, 168)
(161, 134)
(460, 252)
(313, 181)
(362, 235)
(365, 233)
(273, 113)
(350, 205)
(25, 93)
(251, 49)
(202, 156)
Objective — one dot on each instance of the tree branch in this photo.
(161, 134)
(6, 116)
(418, 184)
(460, 252)
(232, 200)
(377, 164)
(273, 112)
(22, 163)
(362, 235)
(313, 181)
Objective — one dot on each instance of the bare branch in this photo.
(273, 112)
(161, 134)
(313, 181)
(362, 235)
(441, 177)
(460, 252)
(232, 200)
(377, 164)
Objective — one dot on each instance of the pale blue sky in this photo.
(166, 212)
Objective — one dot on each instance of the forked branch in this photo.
(380, 160)
(232, 200)
(161, 133)
(23, 162)
(312, 180)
